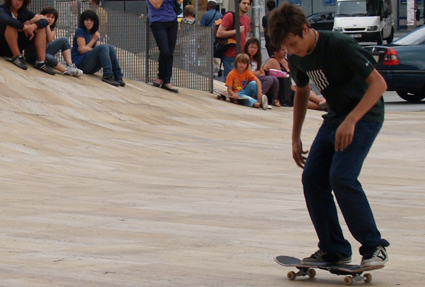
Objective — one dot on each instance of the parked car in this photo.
(322, 20)
(402, 64)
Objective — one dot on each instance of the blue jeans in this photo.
(103, 56)
(61, 44)
(227, 66)
(165, 34)
(249, 93)
(327, 170)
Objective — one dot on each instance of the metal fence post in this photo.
(147, 50)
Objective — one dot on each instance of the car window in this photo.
(416, 37)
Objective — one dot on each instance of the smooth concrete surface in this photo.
(138, 186)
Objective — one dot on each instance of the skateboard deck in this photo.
(352, 272)
(223, 96)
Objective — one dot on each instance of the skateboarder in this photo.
(344, 73)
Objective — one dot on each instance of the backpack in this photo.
(222, 44)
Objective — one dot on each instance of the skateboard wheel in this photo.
(348, 280)
(367, 278)
(291, 275)
(311, 273)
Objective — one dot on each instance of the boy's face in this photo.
(297, 45)
(17, 4)
(241, 66)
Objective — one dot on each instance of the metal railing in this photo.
(136, 48)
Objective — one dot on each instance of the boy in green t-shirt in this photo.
(344, 73)
(242, 83)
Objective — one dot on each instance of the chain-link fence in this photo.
(136, 48)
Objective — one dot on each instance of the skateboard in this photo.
(223, 96)
(352, 272)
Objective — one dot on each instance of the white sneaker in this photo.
(264, 102)
(269, 107)
(72, 70)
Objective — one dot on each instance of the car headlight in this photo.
(372, 28)
(338, 29)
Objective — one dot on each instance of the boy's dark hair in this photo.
(250, 1)
(271, 5)
(89, 14)
(243, 58)
(24, 5)
(51, 10)
(257, 56)
(287, 20)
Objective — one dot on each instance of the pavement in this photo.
(137, 186)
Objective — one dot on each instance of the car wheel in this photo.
(410, 97)
(391, 37)
(379, 38)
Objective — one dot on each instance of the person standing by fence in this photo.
(163, 22)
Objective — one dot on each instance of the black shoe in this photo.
(18, 61)
(120, 81)
(156, 85)
(42, 66)
(169, 89)
(321, 258)
(111, 81)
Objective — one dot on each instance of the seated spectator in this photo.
(54, 46)
(19, 28)
(89, 55)
(278, 61)
(242, 83)
(269, 84)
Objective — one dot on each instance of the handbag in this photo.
(177, 8)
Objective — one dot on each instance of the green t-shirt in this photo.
(339, 67)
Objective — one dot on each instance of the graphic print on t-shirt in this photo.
(319, 79)
(238, 85)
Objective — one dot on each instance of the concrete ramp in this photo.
(138, 186)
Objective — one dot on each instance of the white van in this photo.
(365, 20)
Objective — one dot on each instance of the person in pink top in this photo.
(227, 29)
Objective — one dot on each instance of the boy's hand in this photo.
(298, 154)
(29, 30)
(344, 134)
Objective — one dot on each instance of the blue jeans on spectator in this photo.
(227, 66)
(165, 34)
(61, 44)
(103, 56)
(326, 170)
(249, 93)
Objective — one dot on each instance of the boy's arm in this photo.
(300, 109)
(345, 132)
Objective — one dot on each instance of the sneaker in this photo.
(321, 258)
(42, 66)
(72, 70)
(269, 107)
(111, 81)
(18, 61)
(374, 257)
(264, 102)
(120, 81)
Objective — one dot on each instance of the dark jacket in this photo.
(24, 15)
